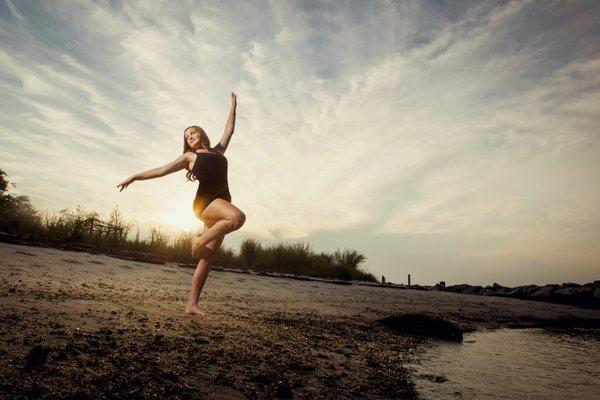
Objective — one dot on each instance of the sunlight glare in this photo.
(181, 217)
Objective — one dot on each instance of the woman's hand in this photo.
(233, 99)
(126, 182)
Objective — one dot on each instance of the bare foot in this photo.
(196, 247)
(194, 310)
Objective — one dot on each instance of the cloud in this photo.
(14, 10)
(416, 121)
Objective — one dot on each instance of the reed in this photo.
(17, 215)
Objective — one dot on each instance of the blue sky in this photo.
(456, 141)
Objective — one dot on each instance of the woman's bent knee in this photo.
(238, 220)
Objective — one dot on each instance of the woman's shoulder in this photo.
(189, 155)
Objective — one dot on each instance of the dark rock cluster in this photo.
(586, 295)
(423, 325)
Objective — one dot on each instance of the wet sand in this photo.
(80, 325)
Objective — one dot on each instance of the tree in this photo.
(16, 212)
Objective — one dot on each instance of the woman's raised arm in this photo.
(229, 126)
(180, 163)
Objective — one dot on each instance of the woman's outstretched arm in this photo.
(229, 127)
(180, 163)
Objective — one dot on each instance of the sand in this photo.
(80, 325)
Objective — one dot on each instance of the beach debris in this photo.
(423, 325)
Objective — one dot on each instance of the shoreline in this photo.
(75, 323)
(581, 295)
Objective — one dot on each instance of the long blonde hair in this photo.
(186, 147)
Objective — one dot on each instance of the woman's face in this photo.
(193, 138)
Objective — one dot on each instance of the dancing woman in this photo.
(212, 204)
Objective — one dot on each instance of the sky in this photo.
(454, 141)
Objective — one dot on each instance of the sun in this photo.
(180, 217)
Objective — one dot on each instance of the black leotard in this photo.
(211, 171)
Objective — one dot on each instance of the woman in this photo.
(212, 204)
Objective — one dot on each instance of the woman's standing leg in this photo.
(200, 275)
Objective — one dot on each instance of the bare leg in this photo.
(200, 275)
(221, 217)
(220, 228)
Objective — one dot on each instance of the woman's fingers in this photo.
(124, 184)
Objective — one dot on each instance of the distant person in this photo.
(212, 204)
(382, 279)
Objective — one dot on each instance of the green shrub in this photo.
(250, 251)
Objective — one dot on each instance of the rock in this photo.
(472, 290)
(106, 331)
(568, 291)
(420, 287)
(582, 295)
(262, 378)
(284, 390)
(201, 340)
(457, 288)
(37, 357)
(171, 376)
(495, 291)
(423, 325)
(574, 295)
(545, 291)
(307, 368)
(434, 378)
(439, 286)
(522, 291)
(594, 285)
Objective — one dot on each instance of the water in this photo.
(511, 364)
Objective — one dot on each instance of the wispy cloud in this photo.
(459, 141)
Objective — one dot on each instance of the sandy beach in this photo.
(80, 325)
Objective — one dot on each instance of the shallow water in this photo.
(511, 364)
